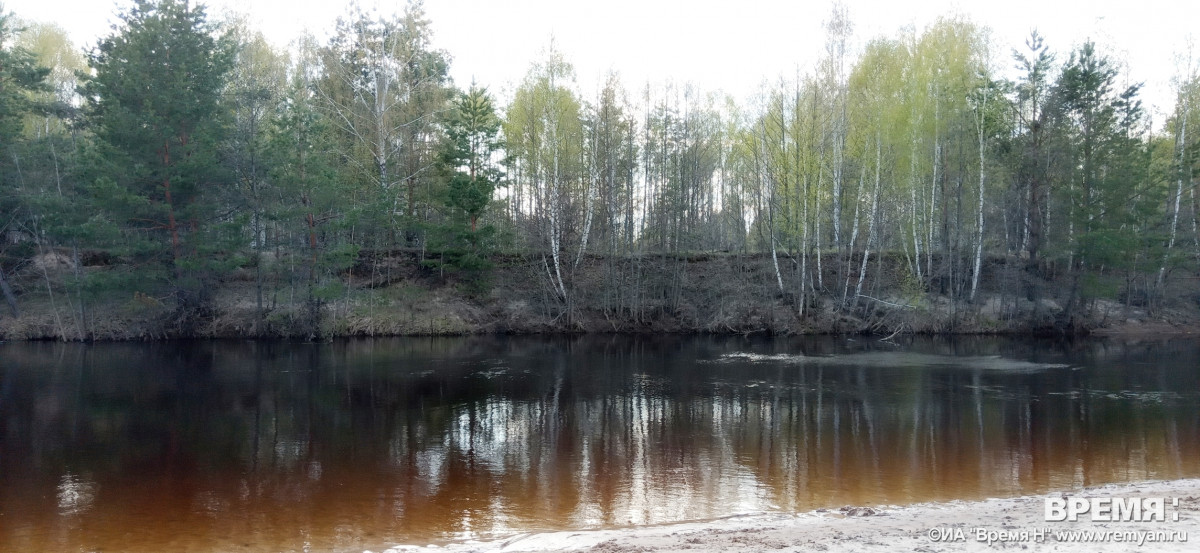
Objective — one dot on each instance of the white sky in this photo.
(734, 45)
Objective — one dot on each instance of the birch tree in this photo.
(544, 132)
(382, 88)
(1187, 86)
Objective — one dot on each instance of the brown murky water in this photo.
(243, 446)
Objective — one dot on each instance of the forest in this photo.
(185, 177)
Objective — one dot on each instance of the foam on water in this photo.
(896, 359)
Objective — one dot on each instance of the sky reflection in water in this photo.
(243, 446)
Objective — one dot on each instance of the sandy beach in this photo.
(958, 526)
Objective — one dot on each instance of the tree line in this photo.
(179, 151)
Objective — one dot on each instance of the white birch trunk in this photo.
(587, 219)
(775, 261)
(804, 252)
(555, 203)
(916, 222)
(937, 165)
(1180, 144)
(931, 227)
(853, 237)
(820, 278)
(979, 122)
(862, 272)
(770, 191)
(554, 242)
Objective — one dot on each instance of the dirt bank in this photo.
(393, 294)
(958, 526)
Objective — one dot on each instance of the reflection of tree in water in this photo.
(362, 442)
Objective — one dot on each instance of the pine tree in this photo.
(19, 77)
(154, 106)
(1109, 167)
(309, 200)
(470, 170)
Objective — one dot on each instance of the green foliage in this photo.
(1108, 188)
(305, 203)
(469, 166)
(329, 291)
(682, 156)
(53, 50)
(20, 79)
(468, 157)
(20, 75)
(543, 132)
(205, 153)
(610, 133)
(382, 86)
(341, 257)
(153, 105)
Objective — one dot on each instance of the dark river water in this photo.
(352, 445)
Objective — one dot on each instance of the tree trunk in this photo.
(171, 226)
(933, 189)
(769, 188)
(862, 271)
(916, 221)
(1196, 222)
(804, 254)
(853, 237)
(8, 295)
(1180, 144)
(820, 285)
(258, 261)
(1035, 223)
(587, 224)
(979, 206)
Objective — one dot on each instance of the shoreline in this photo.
(1162, 332)
(953, 526)
(29, 328)
(392, 294)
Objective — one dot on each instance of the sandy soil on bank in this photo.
(1010, 524)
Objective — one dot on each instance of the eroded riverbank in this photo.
(393, 295)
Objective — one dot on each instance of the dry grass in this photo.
(719, 293)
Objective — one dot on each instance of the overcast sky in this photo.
(733, 46)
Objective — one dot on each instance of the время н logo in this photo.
(1110, 509)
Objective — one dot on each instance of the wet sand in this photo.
(958, 526)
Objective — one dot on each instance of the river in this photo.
(363, 444)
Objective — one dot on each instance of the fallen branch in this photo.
(898, 331)
(888, 302)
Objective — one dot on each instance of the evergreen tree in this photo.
(470, 170)
(255, 87)
(1031, 157)
(154, 107)
(308, 199)
(1106, 180)
(20, 77)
